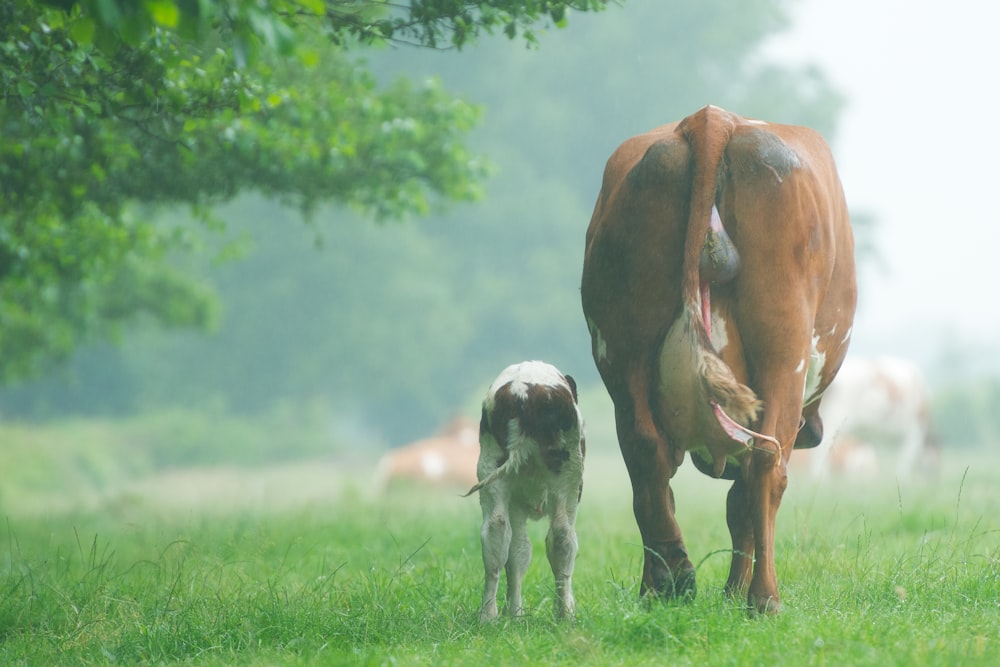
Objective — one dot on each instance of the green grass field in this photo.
(298, 565)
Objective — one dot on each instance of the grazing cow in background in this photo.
(850, 458)
(530, 465)
(719, 289)
(880, 408)
(446, 460)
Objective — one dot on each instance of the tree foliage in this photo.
(111, 107)
(432, 23)
(402, 325)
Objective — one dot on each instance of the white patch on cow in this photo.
(802, 364)
(433, 465)
(754, 121)
(814, 373)
(600, 345)
(719, 337)
(847, 337)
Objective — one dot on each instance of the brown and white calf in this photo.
(530, 465)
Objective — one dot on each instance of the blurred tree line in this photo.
(109, 108)
(401, 326)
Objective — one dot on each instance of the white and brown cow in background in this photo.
(530, 465)
(876, 411)
(719, 289)
(446, 460)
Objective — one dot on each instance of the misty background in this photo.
(913, 151)
(378, 333)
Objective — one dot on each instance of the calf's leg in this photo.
(518, 560)
(496, 539)
(561, 548)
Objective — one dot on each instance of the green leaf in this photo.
(163, 12)
(317, 7)
(309, 57)
(25, 88)
(82, 31)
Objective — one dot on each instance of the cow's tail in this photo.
(709, 255)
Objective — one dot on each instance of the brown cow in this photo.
(446, 460)
(719, 289)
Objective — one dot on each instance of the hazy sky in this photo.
(917, 147)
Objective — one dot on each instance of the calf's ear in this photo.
(572, 386)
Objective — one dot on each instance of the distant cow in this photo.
(446, 460)
(719, 289)
(875, 406)
(850, 458)
(530, 465)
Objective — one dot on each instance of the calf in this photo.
(530, 465)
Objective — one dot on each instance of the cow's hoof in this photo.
(678, 583)
(763, 606)
(736, 591)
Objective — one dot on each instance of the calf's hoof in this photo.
(565, 609)
(488, 613)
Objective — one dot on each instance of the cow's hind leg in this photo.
(740, 521)
(651, 463)
(496, 540)
(561, 547)
(766, 480)
(518, 560)
(766, 485)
